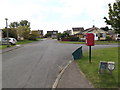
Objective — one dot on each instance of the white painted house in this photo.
(98, 33)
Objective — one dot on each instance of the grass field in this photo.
(96, 42)
(105, 80)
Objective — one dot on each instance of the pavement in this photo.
(74, 78)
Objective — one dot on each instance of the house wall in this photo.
(75, 32)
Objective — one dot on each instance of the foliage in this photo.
(63, 35)
(114, 16)
(48, 35)
(22, 28)
(24, 23)
(70, 38)
(11, 32)
(14, 25)
(105, 28)
(108, 38)
(33, 37)
(23, 31)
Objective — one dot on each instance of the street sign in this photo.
(111, 66)
(106, 65)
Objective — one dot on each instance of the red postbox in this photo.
(89, 39)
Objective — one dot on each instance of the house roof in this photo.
(93, 28)
(78, 29)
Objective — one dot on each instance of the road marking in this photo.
(60, 75)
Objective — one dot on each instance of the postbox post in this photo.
(89, 54)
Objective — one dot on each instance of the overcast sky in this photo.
(55, 14)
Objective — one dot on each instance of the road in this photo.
(36, 65)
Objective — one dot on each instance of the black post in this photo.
(89, 54)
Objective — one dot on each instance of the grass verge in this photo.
(96, 42)
(25, 41)
(3, 46)
(72, 42)
(105, 80)
(19, 42)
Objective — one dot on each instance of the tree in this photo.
(22, 28)
(14, 25)
(34, 35)
(114, 16)
(11, 31)
(63, 35)
(23, 31)
(48, 35)
(105, 28)
(24, 23)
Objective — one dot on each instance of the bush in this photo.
(32, 37)
(108, 38)
(70, 39)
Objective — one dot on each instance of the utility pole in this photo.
(7, 32)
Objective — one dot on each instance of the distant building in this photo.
(68, 31)
(77, 30)
(52, 34)
(39, 32)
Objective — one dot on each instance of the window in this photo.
(101, 34)
(54, 32)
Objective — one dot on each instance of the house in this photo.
(80, 35)
(52, 34)
(98, 33)
(77, 30)
(39, 32)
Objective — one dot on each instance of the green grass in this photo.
(25, 41)
(3, 46)
(96, 42)
(72, 42)
(104, 80)
(19, 42)
(106, 42)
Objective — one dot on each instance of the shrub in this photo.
(70, 39)
(32, 37)
(108, 38)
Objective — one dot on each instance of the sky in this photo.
(58, 15)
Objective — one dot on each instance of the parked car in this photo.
(12, 41)
(118, 37)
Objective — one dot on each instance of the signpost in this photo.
(89, 42)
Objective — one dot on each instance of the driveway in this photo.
(37, 65)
